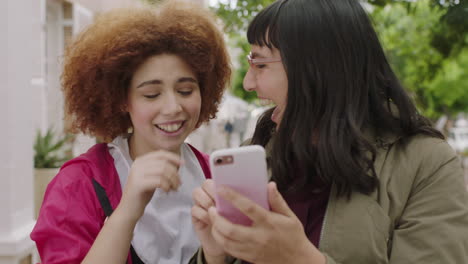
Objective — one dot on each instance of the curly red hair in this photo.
(99, 64)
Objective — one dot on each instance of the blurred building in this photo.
(34, 34)
(230, 128)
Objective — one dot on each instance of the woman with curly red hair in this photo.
(141, 80)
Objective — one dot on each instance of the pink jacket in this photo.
(71, 215)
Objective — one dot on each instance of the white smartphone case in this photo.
(244, 170)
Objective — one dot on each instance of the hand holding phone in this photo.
(244, 170)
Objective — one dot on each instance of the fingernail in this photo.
(211, 210)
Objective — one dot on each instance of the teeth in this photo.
(170, 128)
(266, 102)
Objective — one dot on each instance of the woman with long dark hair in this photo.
(358, 175)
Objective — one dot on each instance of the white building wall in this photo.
(52, 95)
(38, 81)
(20, 25)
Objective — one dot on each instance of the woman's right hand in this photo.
(203, 198)
(158, 169)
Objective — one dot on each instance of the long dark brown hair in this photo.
(339, 84)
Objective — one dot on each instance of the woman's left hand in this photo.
(276, 236)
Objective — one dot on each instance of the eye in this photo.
(260, 66)
(151, 96)
(185, 92)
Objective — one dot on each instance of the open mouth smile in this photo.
(170, 128)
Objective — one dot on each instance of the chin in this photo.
(172, 147)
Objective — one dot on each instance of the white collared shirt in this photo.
(164, 234)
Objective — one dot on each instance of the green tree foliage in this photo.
(426, 42)
(238, 78)
(406, 36)
(236, 16)
(448, 92)
(449, 36)
(423, 55)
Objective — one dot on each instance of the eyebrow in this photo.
(156, 81)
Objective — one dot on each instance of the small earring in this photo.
(130, 130)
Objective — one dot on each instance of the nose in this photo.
(171, 105)
(249, 81)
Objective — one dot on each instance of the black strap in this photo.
(135, 258)
(103, 199)
(107, 208)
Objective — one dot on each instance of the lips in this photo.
(170, 127)
(266, 102)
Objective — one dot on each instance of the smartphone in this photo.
(244, 170)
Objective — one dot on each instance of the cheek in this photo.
(139, 114)
(274, 88)
(282, 88)
(284, 91)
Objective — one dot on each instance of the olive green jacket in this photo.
(418, 215)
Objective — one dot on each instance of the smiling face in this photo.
(269, 80)
(164, 104)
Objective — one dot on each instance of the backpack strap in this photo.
(203, 159)
(108, 210)
(103, 199)
(135, 258)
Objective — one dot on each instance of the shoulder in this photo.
(419, 152)
(72, 187)
(95, 164)
(70, 215)
(85, 160)
(423, 150)
(415, 162)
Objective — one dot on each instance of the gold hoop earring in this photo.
(130, 130)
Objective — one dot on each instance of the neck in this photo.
(137, 149)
